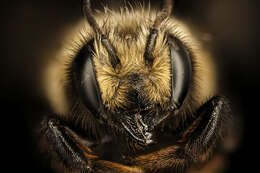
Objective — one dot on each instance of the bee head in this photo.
(131, 70)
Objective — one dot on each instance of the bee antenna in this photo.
(88, 13)
(151, 40)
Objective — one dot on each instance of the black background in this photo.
(31, 29)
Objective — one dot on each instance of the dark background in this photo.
(32, 29)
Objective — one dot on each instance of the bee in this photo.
(133, 91)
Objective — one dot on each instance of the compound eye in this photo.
(181, 70)
(84, 79)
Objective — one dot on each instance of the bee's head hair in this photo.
(128, 30)
(151, 39)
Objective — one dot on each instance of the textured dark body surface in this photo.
(202, 141)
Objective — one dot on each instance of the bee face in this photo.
(133, 91)
(132, 73)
